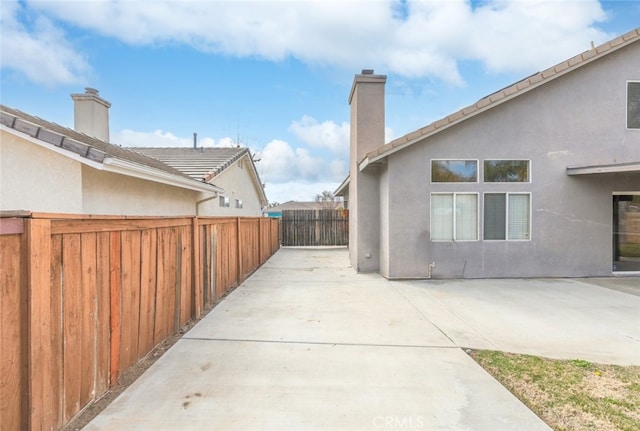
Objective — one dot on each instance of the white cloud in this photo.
(428, 39)
(279, 162)
(37, 48)
(159, 138)
(327, 134)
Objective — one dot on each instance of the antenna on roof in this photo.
(195, 140)
(593, 45)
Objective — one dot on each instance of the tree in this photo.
(327, 199)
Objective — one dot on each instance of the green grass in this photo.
(630, 249)
(570, 395)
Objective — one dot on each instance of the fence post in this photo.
(42, 388)
(196, 280)
(239, 248)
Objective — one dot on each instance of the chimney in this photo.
(367, 134)
(91, 114)
(367, 113)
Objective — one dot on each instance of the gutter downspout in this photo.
(203, 201)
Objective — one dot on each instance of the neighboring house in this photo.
(276, 211)
(231, 169)
(45, 167)
(539, 179)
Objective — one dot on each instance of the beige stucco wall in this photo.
(109, 193)
(237, 184)
(33, 178)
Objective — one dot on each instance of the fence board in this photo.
(130, 294)
(72, 294)
(84, 298)
(88, 317)
(185, 279)
(114, 302)
(57, 329)
(103, 337)
(315, 227)
(148, 248)
(12, 330)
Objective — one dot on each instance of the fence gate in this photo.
(315, 227)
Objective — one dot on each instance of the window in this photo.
(506, 171)
(224, 201)
(506, 216)
(238, 203)
(454, 217)
(633, 105)
(454, 171)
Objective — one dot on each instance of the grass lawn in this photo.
(570, 395)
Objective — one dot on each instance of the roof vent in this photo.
(367, 71)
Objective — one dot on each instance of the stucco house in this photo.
(45, 167)
(539, 179)
(230, 168)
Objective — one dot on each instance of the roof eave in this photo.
(135, 170)
(618, 168)
(496, 99)
(343, 187)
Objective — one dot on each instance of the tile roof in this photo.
(201, 163)
(204, 163)
(86, 146)
(501, 96)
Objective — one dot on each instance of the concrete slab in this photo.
(238, 385)
(557, 318)
(306, 343)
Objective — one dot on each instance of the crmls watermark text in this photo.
(398, 422)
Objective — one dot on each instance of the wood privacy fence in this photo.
(83, 298)
(315, 227)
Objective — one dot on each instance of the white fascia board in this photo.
(621, 168)
(136, 170)
(51, 147)
(122, 167)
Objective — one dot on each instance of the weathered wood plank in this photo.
(57, 329)
(40, 360)
(166, 275)
(197, 281)
(315, 227)
(12, 334)
(114, 302)
(186, 276)
(103, 336)
(97, 225)
(148, 248)
(130, 294)
(173, 308)
(72, 294)
(88, 318)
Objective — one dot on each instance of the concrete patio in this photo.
(306, 343)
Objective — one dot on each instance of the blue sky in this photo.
(276, 75)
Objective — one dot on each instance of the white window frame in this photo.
(453, 215)
(508, 160)
(454, 160)
(239, 203)
(506, 225)
(626, 104)
(224, 201)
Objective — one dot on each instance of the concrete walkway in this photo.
(307, 344)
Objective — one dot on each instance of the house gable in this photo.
(501, 96)
(232, 169)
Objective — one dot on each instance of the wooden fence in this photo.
(315, 227)
(84, 298)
